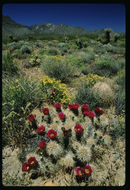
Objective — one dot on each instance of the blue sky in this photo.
(89, 16)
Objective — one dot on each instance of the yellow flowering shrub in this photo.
(55, 91)
(91, 79)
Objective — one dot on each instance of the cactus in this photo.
(63, 152)
(107, 35)
(116, 37)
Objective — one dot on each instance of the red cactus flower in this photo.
(66, 132)
(61, 115)
(26, 167)
(54, 91)
(46, 111)
(31, 118)
(86, 112)
(99, 111)
(85, 107)
(87, 170)
(78, 128)
(42, 144)
(70, 106)
(75, 106)
(57, 105)
(91, 114)
(32, 161)
(51, 134)
(41, 129)
(79, 171)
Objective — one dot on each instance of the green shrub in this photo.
(81, 58)
(12, 46)
(61, 45)
(120, 100)
(86, 57)
(4, 46)
(26, 49)
(120, 78)
(106, 65)
(21, 91)
(117, 125)
(99, 49)
(114, 49)
(18, 54)
(9, 180)
(87, 69)
(39, 44)
(53, 51)
(27, 64)
(19, 97)
(85, 96)
(121, 43)
(9, 66)
(55, 66)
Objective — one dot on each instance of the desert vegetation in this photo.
(63, 110)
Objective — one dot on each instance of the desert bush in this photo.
(21, 91)
(120, 78)
(55, 66)
(8, 180)
(13, 45)
(26, 49)
(79, 59)
(117, 125)
(121, 43)
(98, 48)
(62, 44)
(50, 44)
(87, 56)
(85, 95)
(4, 46)
(88, 69)
(106, 65)
(53, 51)
(120, 102)
(27, 64)
(18, 95)
(115, 49)
(39, 44)
(9, 66)
(18, 54)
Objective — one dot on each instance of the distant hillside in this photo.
(10, 27)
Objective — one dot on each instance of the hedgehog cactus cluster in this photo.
(69, 139)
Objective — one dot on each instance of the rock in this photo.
(7, 151)
(50, 183)
(120, 177)
(11, 164)
(117, 156)
(38, 182)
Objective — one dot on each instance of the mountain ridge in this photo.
(10, 27)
